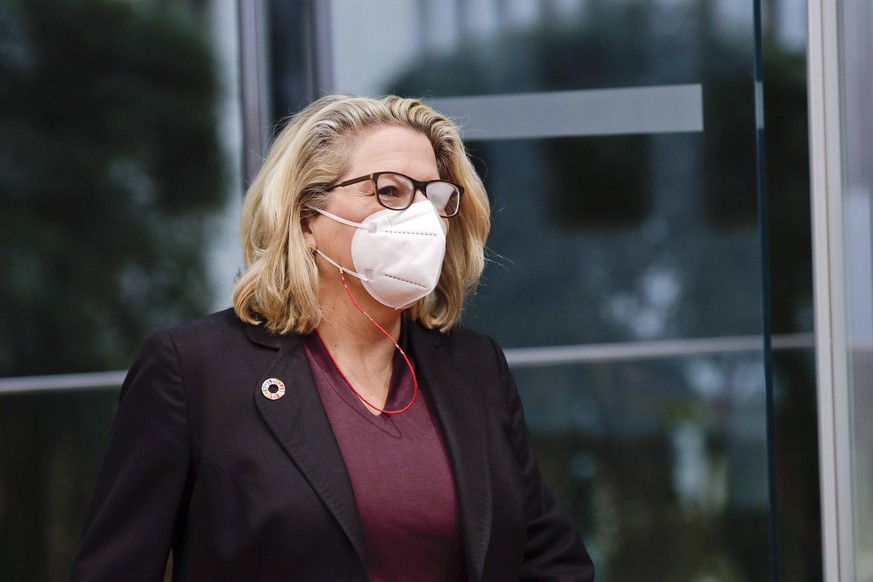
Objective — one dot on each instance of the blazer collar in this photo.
(300, 423)
(262, 336)
(460, 412)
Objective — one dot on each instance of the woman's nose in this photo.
(419, 196)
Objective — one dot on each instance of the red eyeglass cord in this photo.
(386, 334)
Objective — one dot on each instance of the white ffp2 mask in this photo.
(397, 255)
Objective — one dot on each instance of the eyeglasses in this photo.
(396, 191)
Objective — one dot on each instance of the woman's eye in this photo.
(389, 192)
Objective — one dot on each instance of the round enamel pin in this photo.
(273, 388)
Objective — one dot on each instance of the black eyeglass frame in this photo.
(417, 186)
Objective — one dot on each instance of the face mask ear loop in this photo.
(339, 219)
(340, 267)
(396, 345)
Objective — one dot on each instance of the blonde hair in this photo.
(280, 286)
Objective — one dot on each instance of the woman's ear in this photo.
(308, 235)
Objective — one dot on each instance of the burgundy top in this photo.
(400, 474)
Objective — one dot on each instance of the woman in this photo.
(336, 424)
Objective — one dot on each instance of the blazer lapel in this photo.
(461, 414)
(300, 423)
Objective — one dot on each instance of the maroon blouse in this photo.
(400, 472)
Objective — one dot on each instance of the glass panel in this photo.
(790, 279)
(624, 236)
(796, 418)
(856, 58)
(118, 167)
(667, 457)
(290, 77)
(658, 458)
(113, 174)
(51, 447)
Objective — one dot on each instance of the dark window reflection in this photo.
(597, 182)
(290, 51)
(110, 170)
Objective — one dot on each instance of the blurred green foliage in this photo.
(110, 168)
(110, 172)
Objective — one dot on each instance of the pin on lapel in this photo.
(273, 388)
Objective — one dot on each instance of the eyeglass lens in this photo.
(397, 191)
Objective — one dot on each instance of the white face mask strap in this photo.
(339, 219)
(342, 269)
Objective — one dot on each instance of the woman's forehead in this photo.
(393, 148)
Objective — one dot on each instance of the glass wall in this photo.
(627, 272)
(119, 184)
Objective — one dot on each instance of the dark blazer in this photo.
(246, 488)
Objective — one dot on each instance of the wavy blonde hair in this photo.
(280, 285)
